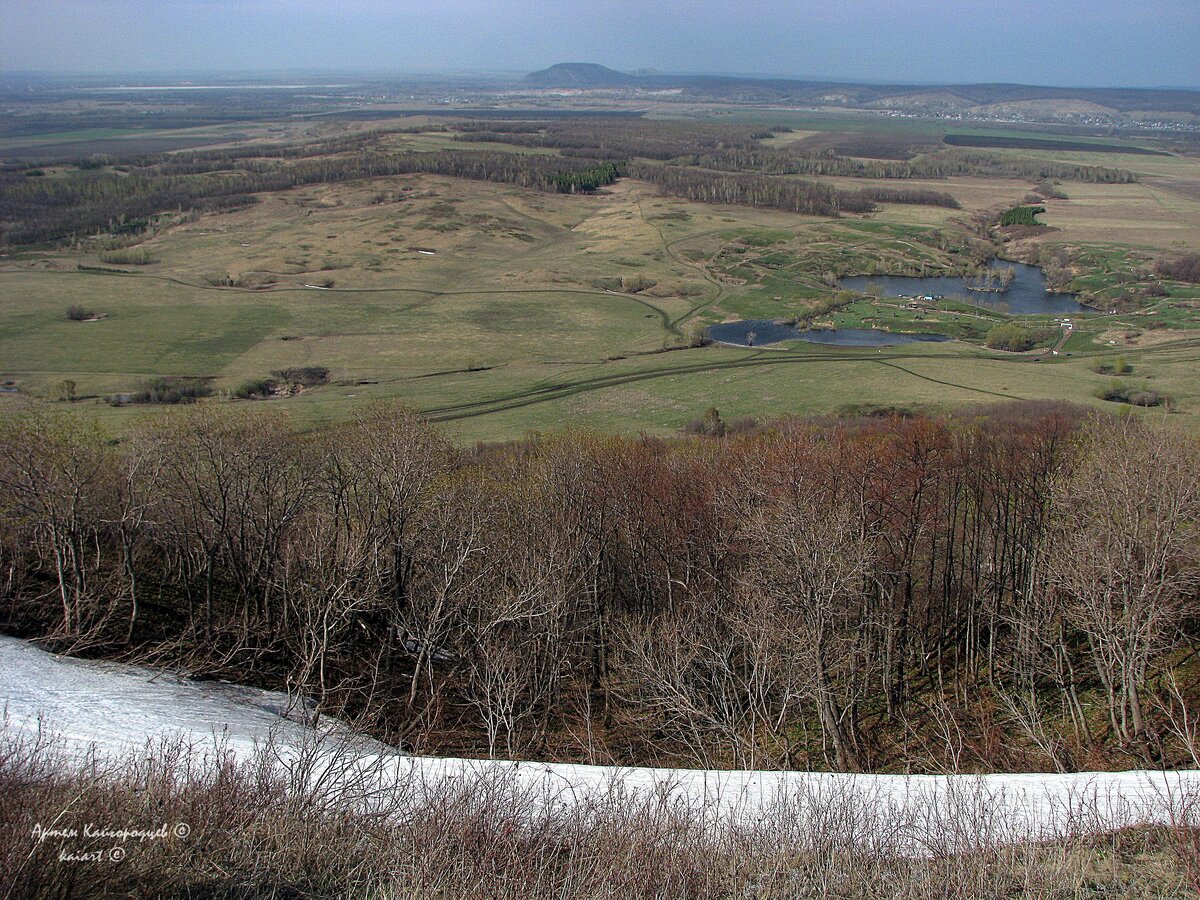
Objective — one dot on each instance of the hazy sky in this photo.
(1067, 42)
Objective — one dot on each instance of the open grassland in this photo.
(1138, 216)
(505, 324)
(972, 193)
(498, 310)
(1158, 213)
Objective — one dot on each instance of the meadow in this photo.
(854, 559)
(500, 309)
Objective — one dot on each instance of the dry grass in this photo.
(972, 193)
(264, 829)
(1138, 216)
(514, 293)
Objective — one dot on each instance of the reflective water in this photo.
(756, 332)
(1026, 293)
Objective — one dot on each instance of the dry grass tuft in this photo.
(271, 827)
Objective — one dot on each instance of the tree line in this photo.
(40, 209)
(739, 148)
(43, 209)
(1015, 589)
(715, 163)
(941, 164)
(789, 194)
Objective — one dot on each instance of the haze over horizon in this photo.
(1079, 44)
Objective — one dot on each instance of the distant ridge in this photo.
(579, 75)
(1011, 100)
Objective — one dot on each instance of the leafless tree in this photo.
(812, 559)
(52, 470)
(1125, 556)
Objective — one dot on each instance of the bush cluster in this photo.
(1133, 394)
(1011, 337)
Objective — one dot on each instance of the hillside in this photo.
(1008, 99)
(580, 75)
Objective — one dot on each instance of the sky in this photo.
(1122, 43)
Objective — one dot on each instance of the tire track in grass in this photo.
(473, 409)
(952, 384)
(664, 319)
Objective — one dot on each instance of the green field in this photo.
(500, 310)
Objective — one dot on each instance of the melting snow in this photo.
(118, 708)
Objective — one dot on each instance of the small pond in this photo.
(1026, 292)
(757, 332)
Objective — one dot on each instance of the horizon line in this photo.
(501, 73)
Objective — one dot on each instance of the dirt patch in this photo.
(1184, 187)
(1124, 337)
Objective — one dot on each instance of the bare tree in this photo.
(1125, 555)
(134, 513)
(327, 586)
(233, 482)
(51, 481)
(812, 559)
(377, 471)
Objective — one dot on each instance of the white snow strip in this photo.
(118, 708)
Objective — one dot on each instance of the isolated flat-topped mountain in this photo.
(580, 75)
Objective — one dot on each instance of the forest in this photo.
(35, 209)
(740, 148)
(710, 163)
(1008, 589)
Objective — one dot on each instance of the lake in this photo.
(766, 331)
(1026, 293)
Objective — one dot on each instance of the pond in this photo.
(1026, 292)
(757, 332)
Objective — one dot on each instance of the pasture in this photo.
(500, 310)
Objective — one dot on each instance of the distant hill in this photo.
(1011, 100)
(579, 75)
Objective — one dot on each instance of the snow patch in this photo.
(119, 708)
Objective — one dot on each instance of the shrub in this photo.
(1022, 215)
(710, 424)
(1011, 337)
(828, 304)
(305, 376)
(697, 334)
(1133, 394)
(1181, 268)
(635, 284)
(127, 258)
(1050, 192)
(1118, 366)
(255, 389)
(171, 390)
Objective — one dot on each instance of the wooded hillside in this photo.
(1015, 590)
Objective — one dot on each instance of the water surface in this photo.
(1026, 293)
(757, 332)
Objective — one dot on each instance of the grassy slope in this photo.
(516, 293)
